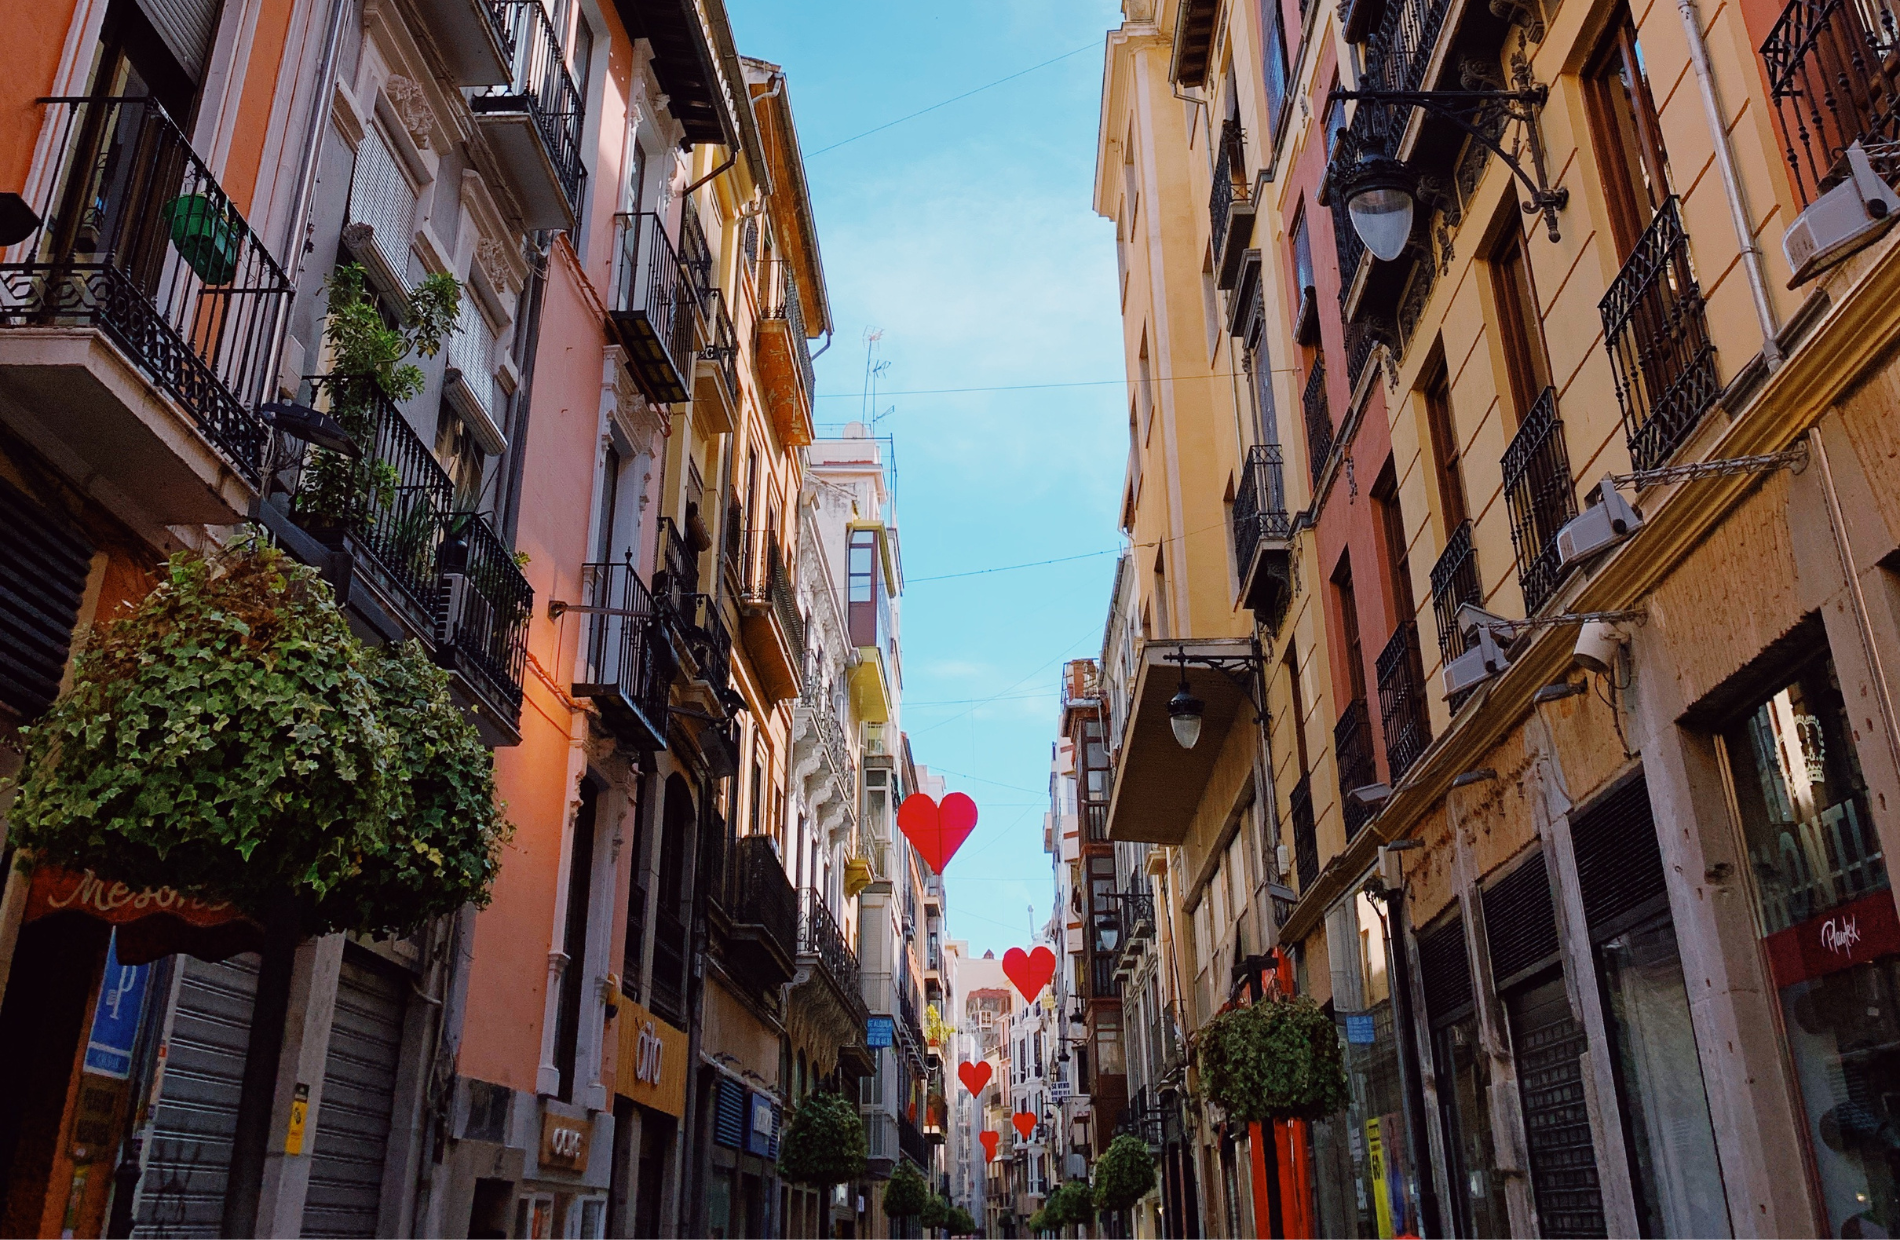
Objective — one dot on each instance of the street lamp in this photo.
(1185, 710)
(1184, 714)
(1379, 200)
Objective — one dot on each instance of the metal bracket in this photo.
(1795, 459)
(557, 609)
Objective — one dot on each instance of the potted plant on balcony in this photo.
(1125, 1173)
(823, 1143)
(369, 367)
(1276, 1059)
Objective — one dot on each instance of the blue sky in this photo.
(968, 237)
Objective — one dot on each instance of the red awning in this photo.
(151, 923)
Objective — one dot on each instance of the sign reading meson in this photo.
(650, 1067)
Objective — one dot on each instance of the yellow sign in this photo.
(1375, 1170)
(651, 1065)
(299, 1114)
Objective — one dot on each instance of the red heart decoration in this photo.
(937, 831)
(1030, 971)
(989, 1140)
(1025, 1122)
(974, 1076)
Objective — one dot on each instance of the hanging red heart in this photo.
(1030, 971)
(936, 831)
(1025, 1122)
(989, 1140)
(974, 1076)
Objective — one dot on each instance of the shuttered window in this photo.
(1520, 924)
(1619, 861)
(43, 566)
(1445, 972)
(186, 27)
(729, 1099)
(380, 196)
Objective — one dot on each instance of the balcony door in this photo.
(1629, 144)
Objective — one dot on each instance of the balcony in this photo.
(716, 367)
(705, 645)
(1834, 81)
(1657, 334)
(626, 664)
(880, 1140)
(1454, 583)
(769, 620)
(1319, 420)
(1541, 498)
(1402, 712)
(761, 913)
(677, 574)
(533, 121)
(1262, 533)
(784, 354)
(1352, 748)
(481, 630)
(1103, 984)
(911, 1140)
(1305, 840)
(473, 37)
(1230, 206)
(140, 325)
(652, 307)
(1157, 784)
(828, 979)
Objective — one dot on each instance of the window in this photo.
(1348, 602)
(1335, 118)
(460, 457)
(1144, 390)
(1385, 500)
(1275, 68)
(1520, 326)
(1635, 168)
(1210, 305)
(580, 882)
(609, 504)
(1447, 459)
(1161, 594)
(1302, 255)
(861, 587)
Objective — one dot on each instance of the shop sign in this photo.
(564, 1142)
(1059, 1090)
(650, 1067)
(761, 1136)
(157, 921)
(879, 1032)
(115, 1019)
(1851, 934)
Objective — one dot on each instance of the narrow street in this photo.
(1378, 719)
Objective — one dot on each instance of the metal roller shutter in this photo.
(1520, 926)
(43, 567)
(1549, 1046)
(186, 26)
(1445, 971)
(182, 1190)
(1619, 860)
(353, 1115)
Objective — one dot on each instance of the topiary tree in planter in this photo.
(906, 1194)
(960, 1223)
(1125, 1173)
(1070, 1203)
(1278, 1059)
(1039, 1222)
(936, 1211)
(823, 1143)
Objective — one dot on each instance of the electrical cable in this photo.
(1027, 387)
(955, 99)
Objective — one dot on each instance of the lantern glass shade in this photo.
(1184, 716)
(1382, 215)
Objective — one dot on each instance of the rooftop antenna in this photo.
(871, 369)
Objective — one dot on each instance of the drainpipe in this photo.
(1731, 184)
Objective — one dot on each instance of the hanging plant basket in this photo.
(1275, 1060)
(231, 738)
(1125, 1173)
(823, 1143)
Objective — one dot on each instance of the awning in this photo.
(1158, 784)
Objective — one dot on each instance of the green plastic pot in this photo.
(204, 236)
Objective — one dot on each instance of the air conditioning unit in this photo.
(1484, 660)
(1606, 522)
(1848, 217)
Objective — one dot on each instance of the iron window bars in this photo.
(1834, 81)
(1402, 711)
(1541, 497)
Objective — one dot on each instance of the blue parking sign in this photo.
(115, 1021)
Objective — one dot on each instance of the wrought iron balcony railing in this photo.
(140, 241)
(1399, 51)
(1402, 712)
(1454, 583)
(778, 299)
(653, 307)
(1541, 497)
(695, 255)
(1834, 80)
(1305, 840)
(764, 580)
(759, 897)
(719, 341)
(1319, 420)
(1260, 503)
(541, 86)
(482, 627)
(678, 574)
(707, 640)
(1230, 205)
(626, 665)
(819, 936)
(1138, 916)
(1657, 333)
(1352, 749)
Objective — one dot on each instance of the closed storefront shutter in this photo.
(1619, 863)
(1444, 971)
(1549, 1046)
(182, 1190)
(43, 566)
(353, 1114)
(1519, 924)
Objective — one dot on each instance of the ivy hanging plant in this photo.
(1125, 1173)
(1278, 1059)
(230, 737)
(823, 1143)
(906, 1194)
